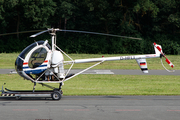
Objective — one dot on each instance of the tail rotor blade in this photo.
(167, 60)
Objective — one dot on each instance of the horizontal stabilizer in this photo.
(143, 65)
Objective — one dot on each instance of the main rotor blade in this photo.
(39, 33)
(99, 34)
(75, 31)
(20, 32)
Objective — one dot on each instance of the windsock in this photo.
(160, 50)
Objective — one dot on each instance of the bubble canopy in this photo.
(20, 59)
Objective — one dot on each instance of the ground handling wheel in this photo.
(56, 95)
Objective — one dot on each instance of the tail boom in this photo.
(141, 59)
(113, 58)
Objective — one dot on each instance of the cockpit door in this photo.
(37, 58)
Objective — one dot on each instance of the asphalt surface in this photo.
(93, 107)
(118, 72)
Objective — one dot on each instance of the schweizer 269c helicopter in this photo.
(42, 63)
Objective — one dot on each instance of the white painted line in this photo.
(103, 72)
(13, 72)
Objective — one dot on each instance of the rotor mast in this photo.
(53, 38)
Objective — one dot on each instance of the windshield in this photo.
(37, 57)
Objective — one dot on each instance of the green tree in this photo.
(152, 20)
(38, 13)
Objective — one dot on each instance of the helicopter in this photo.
(42, 63)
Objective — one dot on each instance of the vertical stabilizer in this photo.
(143, 65)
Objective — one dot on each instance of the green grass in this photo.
(7, 61)
(123, 85)
(105, 84)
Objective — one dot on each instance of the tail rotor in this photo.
(159, 49)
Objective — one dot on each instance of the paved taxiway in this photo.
(118, 72)
(93, 108)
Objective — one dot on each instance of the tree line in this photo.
(152, 20)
